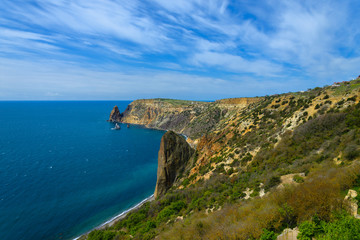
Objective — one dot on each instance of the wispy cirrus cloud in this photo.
(59, 81)
(245, 42)
(237, 63)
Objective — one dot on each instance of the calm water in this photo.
(64, 171)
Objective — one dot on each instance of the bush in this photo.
(247, 158)
(172, 209)
(101, 235)
(346, 228)
(268, 235)
(317, 197)
(351, 152)
(307, 230)
(272, 182)
(353, 98)
(341, 102)
(298, 179)
(186, 182)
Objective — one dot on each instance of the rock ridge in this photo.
(115, 115)
(173, 157)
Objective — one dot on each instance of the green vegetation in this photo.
(343, 227)
(318, 199)
(267, 147)
(298, 179)
(268, 235)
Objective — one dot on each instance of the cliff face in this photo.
(163, 114)
(232, 132)
(173, 156)
(115, 115)
(193, 119)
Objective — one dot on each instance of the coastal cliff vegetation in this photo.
(259, 166)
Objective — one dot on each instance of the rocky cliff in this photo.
(173, 156)
(232, 132)
(194, 119)
(115, 115)
(245, 148)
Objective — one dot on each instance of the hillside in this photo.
(260, 165)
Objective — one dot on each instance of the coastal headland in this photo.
(243, 151)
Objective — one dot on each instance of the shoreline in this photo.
(115, 219)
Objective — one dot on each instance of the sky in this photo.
(184, 49)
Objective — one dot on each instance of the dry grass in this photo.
(320, 195)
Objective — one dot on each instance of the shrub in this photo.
(101, 235)
(307, 230)
(247, 158)
(288, 215)
(341, 102)
(272, 182)
(316, 197)
(298, 179)
(351, 152)
(170, 210)
(346, 228)
(186, 182)
(353, 98)
(267, 235)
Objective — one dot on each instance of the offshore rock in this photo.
(173, 156)
(115, 115)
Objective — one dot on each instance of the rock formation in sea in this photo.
(115, 115)
(173, 156)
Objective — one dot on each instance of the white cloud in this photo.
(54, 80)
(305, 40)
(237, 63)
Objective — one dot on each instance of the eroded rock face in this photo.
(173, 156)
(115, 115)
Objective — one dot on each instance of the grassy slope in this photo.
(290, 133)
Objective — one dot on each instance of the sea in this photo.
(64, 171)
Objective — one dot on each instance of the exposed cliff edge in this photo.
(115, 115)
(191, 118)
(173, 156)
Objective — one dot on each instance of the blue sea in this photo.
(63, 171)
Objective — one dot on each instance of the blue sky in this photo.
(186, 49)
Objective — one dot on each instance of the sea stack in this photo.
(173, 156)
(115, 115)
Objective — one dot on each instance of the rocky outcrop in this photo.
(173, 156)
(191, 118)
(353, 203)
(165, 114)
(288, 234)
(115, 115)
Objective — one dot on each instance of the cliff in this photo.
(191, 118)
(173, 156)
(244, 148)
(115, 115)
